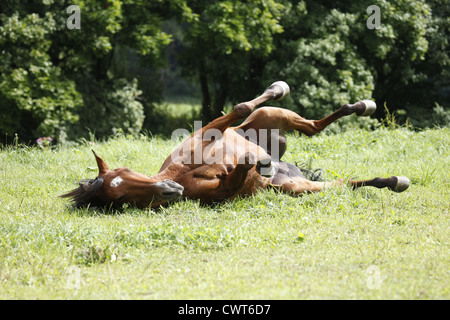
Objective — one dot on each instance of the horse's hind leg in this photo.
(394, 183)
(281, 120)
(289, 179)
(267, 125)
(311, 127)
(277, 91)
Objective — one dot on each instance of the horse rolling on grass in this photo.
(219, 162)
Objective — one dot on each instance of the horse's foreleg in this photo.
(236, 178)
(210, 188)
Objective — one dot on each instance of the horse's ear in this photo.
(102, 166)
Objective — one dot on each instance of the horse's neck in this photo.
(171, 171)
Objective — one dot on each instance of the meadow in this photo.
(336, 244)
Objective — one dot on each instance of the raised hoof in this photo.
(401, 185)
(281, 89)
(369, 108)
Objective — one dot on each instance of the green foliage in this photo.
(224, 42)
(397, 50)
(329, 56)
(426, 99)
(320, 63)
(56, 82)
(417, 118)
(110, 109)
(36, 97)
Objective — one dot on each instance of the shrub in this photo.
(36, 98)
(108, 112)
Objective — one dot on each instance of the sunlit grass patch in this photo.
(269, 246)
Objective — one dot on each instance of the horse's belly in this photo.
(234, 146)
(225, 149)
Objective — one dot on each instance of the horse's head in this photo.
(119, 186)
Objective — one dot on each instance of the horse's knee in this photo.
(243, 109)
(310, 128)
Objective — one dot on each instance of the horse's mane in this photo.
(85, 194)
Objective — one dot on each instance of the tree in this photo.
(37, 98)
(57, 81)
(394, 49)
(224, 40)
(424, 97)
(329, 56)
(92, 56)
(317, 57)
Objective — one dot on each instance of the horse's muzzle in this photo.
(169, 190)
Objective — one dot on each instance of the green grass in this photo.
(337, 244)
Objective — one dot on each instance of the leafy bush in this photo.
(110, 109)
(36, 98)
(323, 69)
(439, 116)
(57, 82)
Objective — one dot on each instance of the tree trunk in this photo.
(221, 95)
(206, 98)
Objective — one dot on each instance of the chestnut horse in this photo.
(219, 162)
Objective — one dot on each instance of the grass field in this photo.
(338, 244)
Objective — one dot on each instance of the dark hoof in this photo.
(402, 183)
(369, 108)
(247, 160)
(264, 167)
(281, 90)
